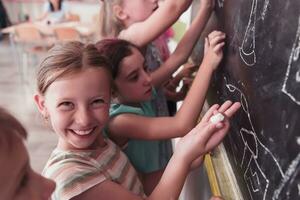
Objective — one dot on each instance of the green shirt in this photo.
(145, 155)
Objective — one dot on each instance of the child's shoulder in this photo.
(77, 171)
(78, 157)
(117, 109)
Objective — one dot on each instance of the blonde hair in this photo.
(110, 25)
(68, 58)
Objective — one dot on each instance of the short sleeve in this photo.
(117, 109)
(73, 178)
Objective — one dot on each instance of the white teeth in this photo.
(86, 132)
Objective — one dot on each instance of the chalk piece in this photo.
(217, 118)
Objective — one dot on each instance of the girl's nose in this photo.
(83, 117)
(146, 78)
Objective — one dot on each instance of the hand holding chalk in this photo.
(217, 118)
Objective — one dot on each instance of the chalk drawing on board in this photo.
(221, 3)
(263, 14)
(251, 153)
(291, 85)
(247, 49)
(288, 179)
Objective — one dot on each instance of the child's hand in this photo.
(173, 95)
(213, 50)
(206, 135)
(187, 70)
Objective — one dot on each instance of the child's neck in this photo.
(99, 143)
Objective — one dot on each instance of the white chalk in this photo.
(217, 118)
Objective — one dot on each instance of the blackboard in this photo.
(261, 69)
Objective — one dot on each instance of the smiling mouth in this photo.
(148, 91)
(83, 132)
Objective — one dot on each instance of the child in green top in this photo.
(132, 87)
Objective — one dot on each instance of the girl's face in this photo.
(18, 180)
(133, 84)
(77, 106)
(139, 10)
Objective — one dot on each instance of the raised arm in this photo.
(185, 46)
(142, 33)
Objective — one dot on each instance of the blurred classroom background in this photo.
(24, 40)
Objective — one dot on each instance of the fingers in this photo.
(225, 106)
(232, 109)
(206, 45)
(197, 162)
(209, 113)
(190, 66)
(218, 135)
(218, 47)
(213, 41)
(206, 133)
(215, 34)
(228, 108)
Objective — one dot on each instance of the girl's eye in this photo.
(133, 77)
(98, 103)
(66, 105)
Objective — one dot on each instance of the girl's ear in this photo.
(40, 102)
(119, 12)
(114, 96)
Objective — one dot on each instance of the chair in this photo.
(28, 44)
(67, 34)
(73, 17)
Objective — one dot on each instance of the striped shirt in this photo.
(77, 171)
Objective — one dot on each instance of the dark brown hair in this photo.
(115, 50)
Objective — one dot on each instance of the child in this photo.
(142, 21)
(18, 180)
(55, 11)
(74, 87)
(143, 26)
(133, 124)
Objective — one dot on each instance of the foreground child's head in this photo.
(18, 180)
(74, 84)
(117, 15)
(132, 84)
